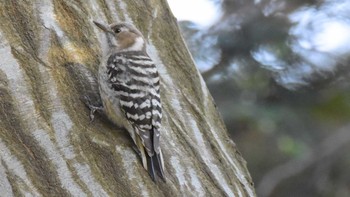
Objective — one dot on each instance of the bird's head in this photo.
(123, 36)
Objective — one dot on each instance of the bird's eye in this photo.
(117, 30)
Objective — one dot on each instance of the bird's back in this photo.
(129, 89)
(131, 83)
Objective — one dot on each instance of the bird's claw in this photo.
(136, 150)
(93, 108)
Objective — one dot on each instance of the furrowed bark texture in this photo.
(49, 54)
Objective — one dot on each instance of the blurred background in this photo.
(279, 73)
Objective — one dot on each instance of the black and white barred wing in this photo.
(135, 79)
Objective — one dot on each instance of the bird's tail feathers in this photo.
(155, 165)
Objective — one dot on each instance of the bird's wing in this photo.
(135, 79)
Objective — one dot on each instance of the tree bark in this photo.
(49, 54)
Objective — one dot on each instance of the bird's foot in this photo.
(136, 150)
(93, 108)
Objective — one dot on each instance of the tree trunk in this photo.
(49, 54)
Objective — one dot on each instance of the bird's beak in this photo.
(103, 27)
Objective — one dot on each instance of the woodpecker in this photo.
(129, 88)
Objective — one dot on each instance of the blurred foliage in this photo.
(279, 72)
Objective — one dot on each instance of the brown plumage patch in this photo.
(126, 39)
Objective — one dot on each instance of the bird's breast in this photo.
(109, 98)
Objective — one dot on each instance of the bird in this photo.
(129, 86)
